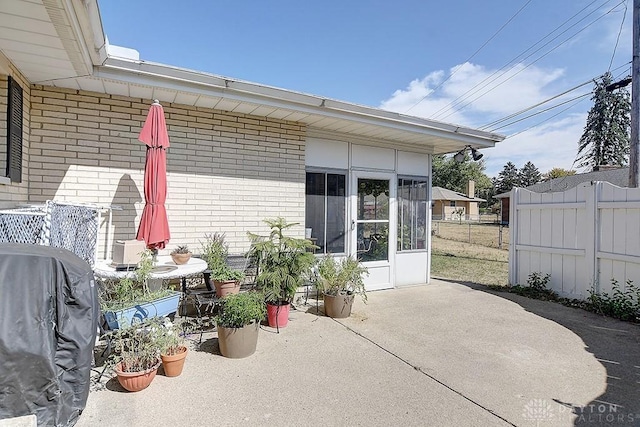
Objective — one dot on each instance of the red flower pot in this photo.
(278, 315)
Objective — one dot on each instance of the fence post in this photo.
(500, 236)
(469, 232)
(592, 241)
(513, 236)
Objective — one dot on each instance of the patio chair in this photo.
(204, 298)
(200, 292)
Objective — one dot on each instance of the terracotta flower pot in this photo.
(237, 343)
(338, 306)
(136, 381)
(173, 364)
(180, 259)
(226, 287)
(278, 315)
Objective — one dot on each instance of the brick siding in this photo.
(226, 171)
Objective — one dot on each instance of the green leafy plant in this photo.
(183, 249)
(536, 287)
(215, 252)
(137, 348)
(227, 274)
(340, 277)
(624, 305)
(133, 289)
(170, 337)
(238, 310)
(284, 262)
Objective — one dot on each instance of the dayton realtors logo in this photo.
(600, 414)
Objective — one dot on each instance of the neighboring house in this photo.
(451, 205)
(240, 152)
(613, 175)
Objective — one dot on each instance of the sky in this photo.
(467, 62)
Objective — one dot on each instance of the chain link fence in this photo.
(480, 233)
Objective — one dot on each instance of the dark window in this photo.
(14, 131)
(412, 214)
(325, 210)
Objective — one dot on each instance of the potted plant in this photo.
(284, 263)
(181, 255)
(136, 356)
(129, 300)
(173, 350)
(339, 281)
(215, 252)
(238, 323)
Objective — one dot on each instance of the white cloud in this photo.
(553, 144)
(472, 91)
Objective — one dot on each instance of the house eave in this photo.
(172, 84)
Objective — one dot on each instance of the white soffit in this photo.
(40, 38)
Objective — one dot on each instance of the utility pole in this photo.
(634, 157)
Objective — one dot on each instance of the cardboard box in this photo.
(128, 252)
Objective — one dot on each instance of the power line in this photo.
(541, 111)
(524, 110)
(472, 56)
(504, 69)
(546, 120)
(615, 48)
(488, 125)
(522, 53)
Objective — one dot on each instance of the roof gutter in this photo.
(84, 16)
(159, 75)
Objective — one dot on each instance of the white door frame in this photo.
(381, 273)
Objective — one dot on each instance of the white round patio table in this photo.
(164, 269)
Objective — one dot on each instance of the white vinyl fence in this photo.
(583, 237)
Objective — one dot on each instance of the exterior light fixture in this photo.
(459, 156)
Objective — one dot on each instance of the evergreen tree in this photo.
(529, 175)
(507, 178)
(606, 136)
(557, 173)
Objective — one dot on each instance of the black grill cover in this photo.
(48, 321)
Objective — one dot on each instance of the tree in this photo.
(529, 175)
(605, 140)
(507, 179)
(447, 173)
(557, 173)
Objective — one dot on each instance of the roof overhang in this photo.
(66, 47)
(52, 39)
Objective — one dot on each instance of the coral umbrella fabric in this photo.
(154, 226)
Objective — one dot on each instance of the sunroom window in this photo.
(412, 213)
(326, 210)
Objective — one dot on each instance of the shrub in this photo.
(342, 277)
(621, 305)
(238, 310)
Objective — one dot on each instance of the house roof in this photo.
(618, 177)
(63, 44)
(439, 193)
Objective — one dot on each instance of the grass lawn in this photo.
(469, 262)
(484, 234)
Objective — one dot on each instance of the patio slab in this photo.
(443, 354)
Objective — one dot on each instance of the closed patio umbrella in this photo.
(154, 227)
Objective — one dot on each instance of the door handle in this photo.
(353, 224)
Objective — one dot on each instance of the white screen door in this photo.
(372, 226)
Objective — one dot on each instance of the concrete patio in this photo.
(446, 354)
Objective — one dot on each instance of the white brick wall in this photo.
(226, 171)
